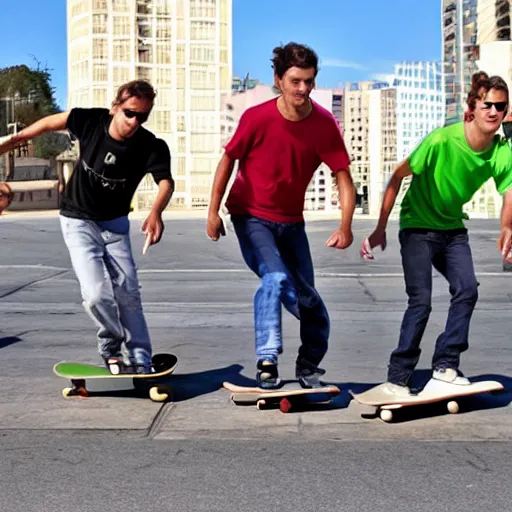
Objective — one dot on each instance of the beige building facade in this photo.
(184, 48)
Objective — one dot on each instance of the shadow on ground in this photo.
(9, 340)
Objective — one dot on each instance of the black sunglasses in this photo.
(499, 105)
(142, 117)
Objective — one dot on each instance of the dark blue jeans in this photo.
(279, 255)
(450, 254)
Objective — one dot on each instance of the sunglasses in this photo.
(499, 105)
(141, 117)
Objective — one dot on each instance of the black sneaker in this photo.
(117, 366)
(143, 369)
(267, 376)
(308, 374)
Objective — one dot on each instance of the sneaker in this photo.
(141, 368)
(267, 376)
(451, 376)
(116, 365)
(394, 390)
(308, 374)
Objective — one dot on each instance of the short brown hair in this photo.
(136, 88)
(482, 83)
(293, 55)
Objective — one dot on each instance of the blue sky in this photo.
(356, 40)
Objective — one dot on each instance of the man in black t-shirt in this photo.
(116, 152)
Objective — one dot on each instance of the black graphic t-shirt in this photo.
(108, 171)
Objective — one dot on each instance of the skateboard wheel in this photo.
(72, 392)
(285, 405)
(386, 415)
(159, 393)
(260, 404)
(453, 407)
(67, 392)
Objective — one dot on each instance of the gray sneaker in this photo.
(308, 374)
(267, 375)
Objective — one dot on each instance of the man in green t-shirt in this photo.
(447, 168)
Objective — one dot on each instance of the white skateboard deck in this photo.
(435, 391)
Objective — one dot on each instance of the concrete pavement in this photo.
(117, 451)
(198, 300)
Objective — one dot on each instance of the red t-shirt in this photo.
(277, 159)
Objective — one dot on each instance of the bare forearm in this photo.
(165, 191)
(388, 201)
(220, 182)
(51, 123)
(46, 124)
(347, 196)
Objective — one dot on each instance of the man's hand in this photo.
(153, 228)
(6, 144)
(340, 239)
(505, 243)
(378, 237)
(6, 196)
(215, 227)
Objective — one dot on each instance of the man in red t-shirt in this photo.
(279, 145)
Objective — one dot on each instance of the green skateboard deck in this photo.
(79, 373)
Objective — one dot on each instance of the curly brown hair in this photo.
(482, 83)
(138, 88)
(293, 55)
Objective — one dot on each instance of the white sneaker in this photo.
(451, 376)
(395, 390)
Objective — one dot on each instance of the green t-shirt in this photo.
(446, 175)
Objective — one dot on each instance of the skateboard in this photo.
(289, 397)
(383, 404)
(79, 373)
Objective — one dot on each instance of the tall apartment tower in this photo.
(420, 103)
(476, 35)
(459, 53)
(356, 127)
(184, 48)
(385, 121)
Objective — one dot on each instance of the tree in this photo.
(33, 96)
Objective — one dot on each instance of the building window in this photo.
(202, 30)
(121, 50)
(121, 25)
(99, 23)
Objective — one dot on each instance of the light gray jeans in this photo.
(102, 259)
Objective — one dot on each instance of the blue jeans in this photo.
(102, 259)
(450, 254)
(279, 255)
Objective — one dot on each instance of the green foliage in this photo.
(33, 98)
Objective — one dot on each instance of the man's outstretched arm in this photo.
(52, 123)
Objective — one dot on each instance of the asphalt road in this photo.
(117, 451)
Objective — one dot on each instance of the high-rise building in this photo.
(382, 144)
(356, 126)
(459, 53)
(419, 103)
(384, 122)
(476, 36)
(184, 48)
